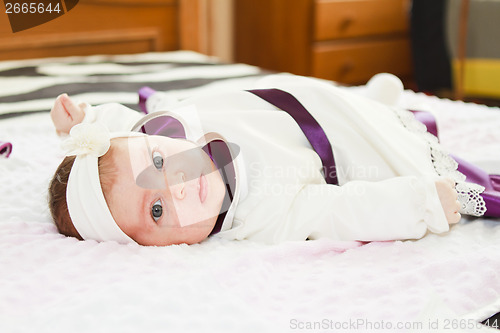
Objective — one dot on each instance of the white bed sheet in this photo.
(51, 283)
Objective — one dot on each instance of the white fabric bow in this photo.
(87, 139)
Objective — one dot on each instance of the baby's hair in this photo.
(57, 190)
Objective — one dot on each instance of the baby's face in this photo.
(167, 191)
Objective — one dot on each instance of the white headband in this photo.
(87, 207)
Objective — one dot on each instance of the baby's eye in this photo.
(156, 210)
(157, 160)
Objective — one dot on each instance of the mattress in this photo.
(52, 283)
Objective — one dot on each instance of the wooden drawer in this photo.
(97, 27)
(68, 44)
(356, 62)
(335, 19)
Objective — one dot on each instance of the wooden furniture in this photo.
(107, 27)
(343, 40)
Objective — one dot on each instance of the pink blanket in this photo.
(49, 283)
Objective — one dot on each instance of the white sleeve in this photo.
(393, 209)
(114, 116)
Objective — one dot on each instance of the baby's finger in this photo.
(450, 181)
(70, 107)
(455, 218)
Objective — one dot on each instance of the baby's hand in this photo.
(448, 197)
(65, 114)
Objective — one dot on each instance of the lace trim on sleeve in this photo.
(468, 193)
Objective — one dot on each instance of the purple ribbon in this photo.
(164, 125)
(309, 126)
(428, 120)
(5, 149)
(144, 94)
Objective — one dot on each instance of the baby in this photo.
(295, 159)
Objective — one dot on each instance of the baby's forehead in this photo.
(126, 152)
(130, 145)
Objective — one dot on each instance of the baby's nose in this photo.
(178, 186)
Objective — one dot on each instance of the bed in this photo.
(51, 283)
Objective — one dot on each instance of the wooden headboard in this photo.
(108, 27)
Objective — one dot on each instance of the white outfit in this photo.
(386, 174)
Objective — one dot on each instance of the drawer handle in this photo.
(345, 23)
(346, 68)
